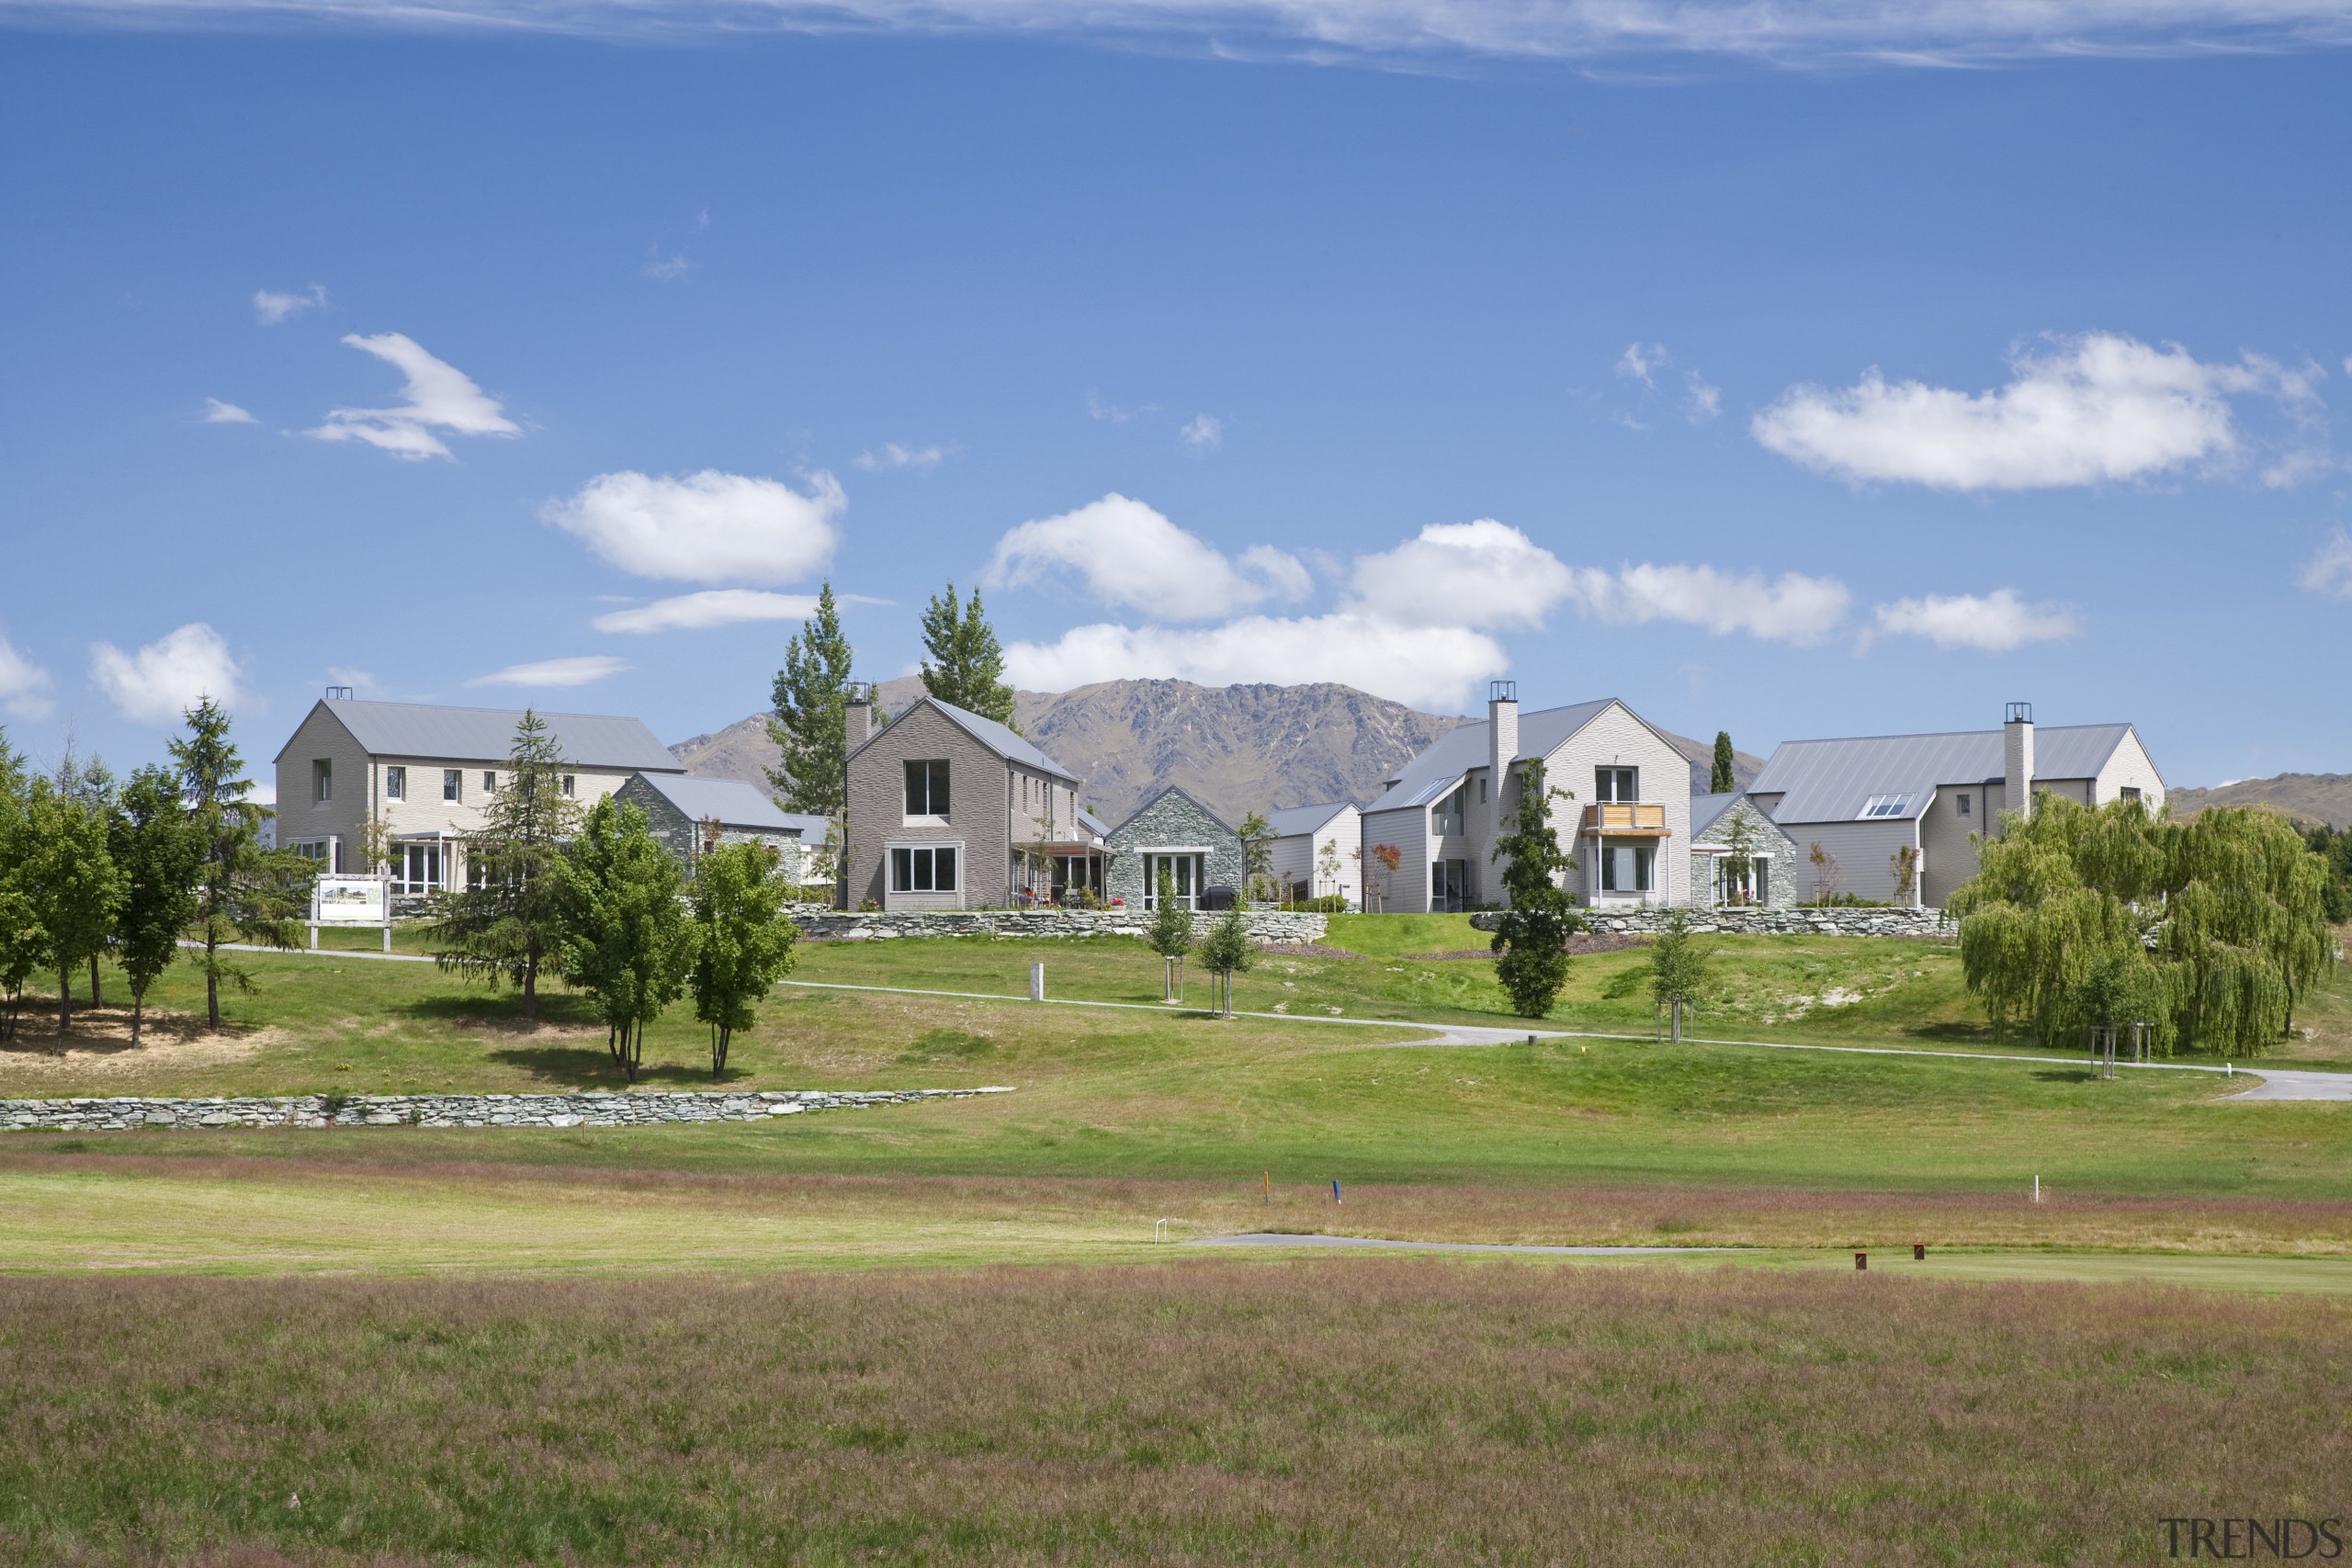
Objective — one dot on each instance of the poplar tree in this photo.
(160, 851)
(625, 938)
(966, 667)
(1531, 935)
(809, 723)
(743, 939)
(1724, 777)
(243, 891)
(504, 923)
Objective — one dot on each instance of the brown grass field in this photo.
(1411, 1411)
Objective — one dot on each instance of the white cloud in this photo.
(25, 686)
(1465, 574)
(1100, 407)
(1991, 623)
(577, 671)
(1203, 430)
(1128, 553)
(217, 412)
(923, 459)
(712, 607)
(1789, 608)
(1426, 666)
(161, 681)
(1704, 403)
(2094, 409)
(1642, 362)
(275, 308)
(705, 527)
(2329, 570)
(440, 397)
(666, 269)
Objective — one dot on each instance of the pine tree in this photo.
(811, 720)
(625, 937)
(504, 924)
(1531, 935)
(1723, 778)
(158, 847)
(244, 891)
(966, 667)
(743, 939)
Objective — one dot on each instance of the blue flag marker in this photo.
(1335, 1192)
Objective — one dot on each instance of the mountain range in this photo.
(1235, 749)
(2314, 797)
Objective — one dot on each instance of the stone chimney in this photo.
(2016, 757)
(1502, 747)
(861, 713)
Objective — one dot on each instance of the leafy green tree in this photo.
(625, 937)
(1171, 932)
(92, 786)
(24, 941)
(1258, 859)
(1226, 951)
(503, 923)
(743, 938)
(2334, 847)
(1723, 778)
(244, 892)
(71, 880)
(966, 667)
(1680, 964)
(1539, 915)
(1741, 840)
(159, 849)
(2216, 927)
(809, 723)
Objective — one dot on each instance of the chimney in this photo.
(1502, 746)
(860, 713)
(2016, 757)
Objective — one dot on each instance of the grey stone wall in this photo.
(1770, 845)
(815, 921)
(1796, 920)
(1174, 820)
(645, 1108)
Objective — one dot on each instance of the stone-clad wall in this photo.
(1172, 820)
(1836, 920)
(815, 921)
(586, 1110)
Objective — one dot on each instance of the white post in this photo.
(2036, 1189)
(1036, 982)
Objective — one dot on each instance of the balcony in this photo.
(1628, 819)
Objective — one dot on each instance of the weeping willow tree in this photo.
(2209, 931)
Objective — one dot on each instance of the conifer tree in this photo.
(1724, 777)
(966, 667)
(1531, 935)
(244, 892)
(809, 723)
(504, 924)
(159, 849)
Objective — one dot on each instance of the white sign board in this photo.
(347, 902)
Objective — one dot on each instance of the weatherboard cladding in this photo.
(1831, 781)
(1442, 765)
(455, 734)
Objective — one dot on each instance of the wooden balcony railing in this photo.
(1625, 816)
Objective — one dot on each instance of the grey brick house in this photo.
(1171, 832)
(679, 807)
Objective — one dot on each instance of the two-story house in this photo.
(1626, 819)
(424, 771)
(949, 810)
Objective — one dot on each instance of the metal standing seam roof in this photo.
(996, 737)
(1831, 781)
(1297, 820)
(487, 735)
(1706, 810)
(1442, 765)
(735, 803)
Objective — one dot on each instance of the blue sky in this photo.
(1793, 387)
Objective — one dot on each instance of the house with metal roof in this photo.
(1860, 807)
(1174, 836)
(691, 815)
(422, 771)
(1626, 819)
(1739, 857)
(1318, 850)
(951, 810)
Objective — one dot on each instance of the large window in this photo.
(1449, 886)
(395, 784)
(1445, 817)
(1616, 784)
(323, 780)
(1186, 875)
(1627, 868)
(417, 868)
(930, 870)
(927, 788)
(453, 785)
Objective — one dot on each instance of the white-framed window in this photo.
(453, 784)
(322, 780)
(1964, 805)
(2129, 791)
(395, 784)
(923, 868)
(489, 781)
(1885, 806)
(567, 782)
(927, 788)
(417, 868)
(1616, 784)
(1449, 886)
(1628, 868)
(311, 848)
(1187, 871)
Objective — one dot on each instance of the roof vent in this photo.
(2018, 713)
(338, 694)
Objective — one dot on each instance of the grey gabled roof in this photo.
(734, 802)
(1706, 810)
(1830, 780)
(996, 737)
(1092, 823)
(1302, 819)
(1462, 748)
(487, 735)
(1163, 795)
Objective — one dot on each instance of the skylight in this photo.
(1886, 805)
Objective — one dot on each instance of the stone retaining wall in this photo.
(585, 1109)
(869, 925)
(1795, 921)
